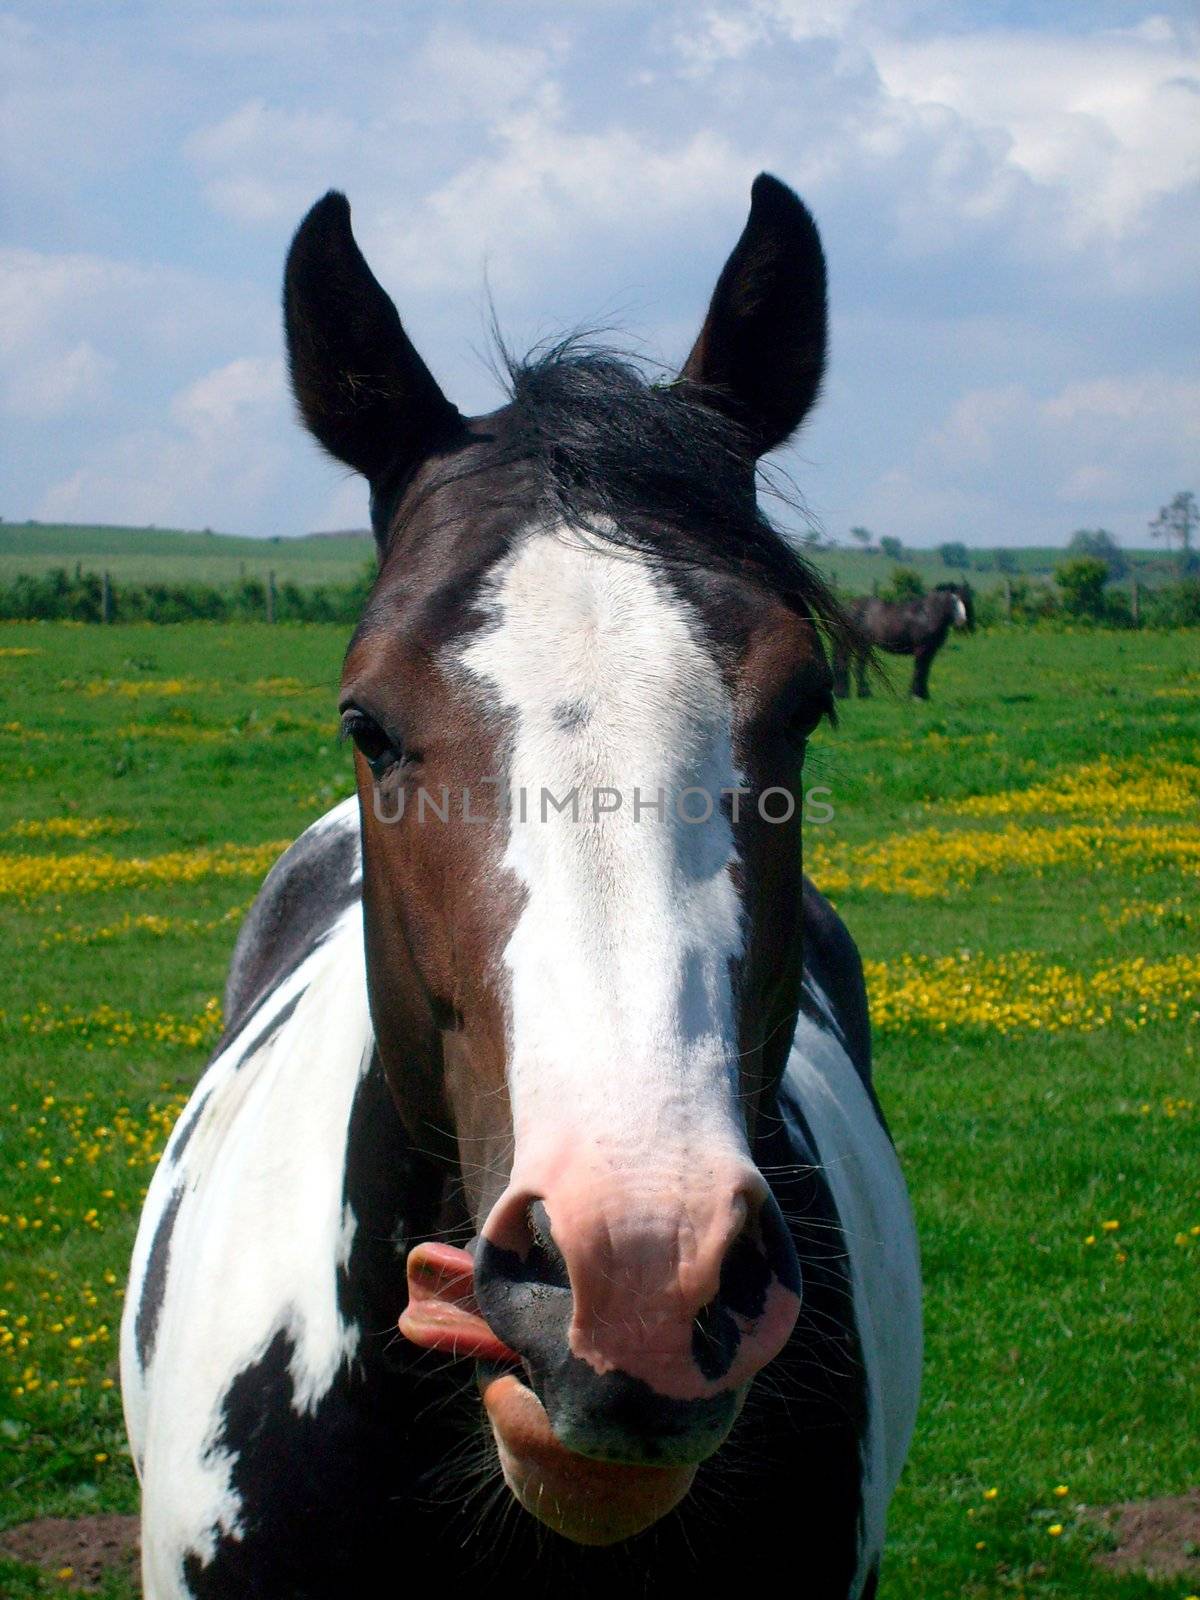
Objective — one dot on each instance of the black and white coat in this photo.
(290, 1443)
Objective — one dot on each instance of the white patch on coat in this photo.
(869, 1193)
(259, 1236)
(622, 1026)
(960, 613)
(221, 1080)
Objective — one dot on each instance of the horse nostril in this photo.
(522, 1286)
(715, 1339)
(746, 1275)
(761, 1256)
(544, 1263)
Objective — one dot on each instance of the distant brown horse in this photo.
(916, 628)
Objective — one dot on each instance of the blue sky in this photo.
(1009, 196)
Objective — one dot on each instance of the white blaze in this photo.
(622, 1026)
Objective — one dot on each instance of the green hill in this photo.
(172, 555)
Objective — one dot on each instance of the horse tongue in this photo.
(441, 1313)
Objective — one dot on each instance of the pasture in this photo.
(1019, 861)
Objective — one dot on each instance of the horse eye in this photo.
(378, 750)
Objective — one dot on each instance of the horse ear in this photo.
(761, 351)
(362, 389)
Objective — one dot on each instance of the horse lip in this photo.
(589, 1500)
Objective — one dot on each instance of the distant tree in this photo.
(1179, 604)
(1101, 544)
(1082, 581)
(1176, 522)
(954, 554)
(905, 583)
(1006, 560)
(891, 547)
(863, 535)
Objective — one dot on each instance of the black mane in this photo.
(650, 466)
(613, 456)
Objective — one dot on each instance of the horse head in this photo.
(579, 694)
(963, 604)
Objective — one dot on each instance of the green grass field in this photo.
(1020, 863)
(168, 555)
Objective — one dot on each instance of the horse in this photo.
(535, 1223)
(916, 628)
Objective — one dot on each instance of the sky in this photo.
(1008, 194)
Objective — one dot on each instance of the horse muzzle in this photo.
(588, 1501)
(597, 1448)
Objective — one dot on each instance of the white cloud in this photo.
(459, 76)
(70, 380)
(1010, 215)
(718, 34)
(544, 193)
(1010, 465)
(1112, 120)
(922, 512)
(263, 164)
(226, 452)
(223, 400)
(1082, 433)
(412, 111)
(51, 308)
(1064, 145)
(121, 306)
(1108, 432)
(968, 437)
(75, 108)
(1140, 402)
(39, 292)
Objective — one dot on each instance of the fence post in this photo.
(1135, 604)
(1007, 601)
(105, 599)
(271, 596)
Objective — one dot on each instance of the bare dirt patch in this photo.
(90, 1546)
(1158, 1537)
